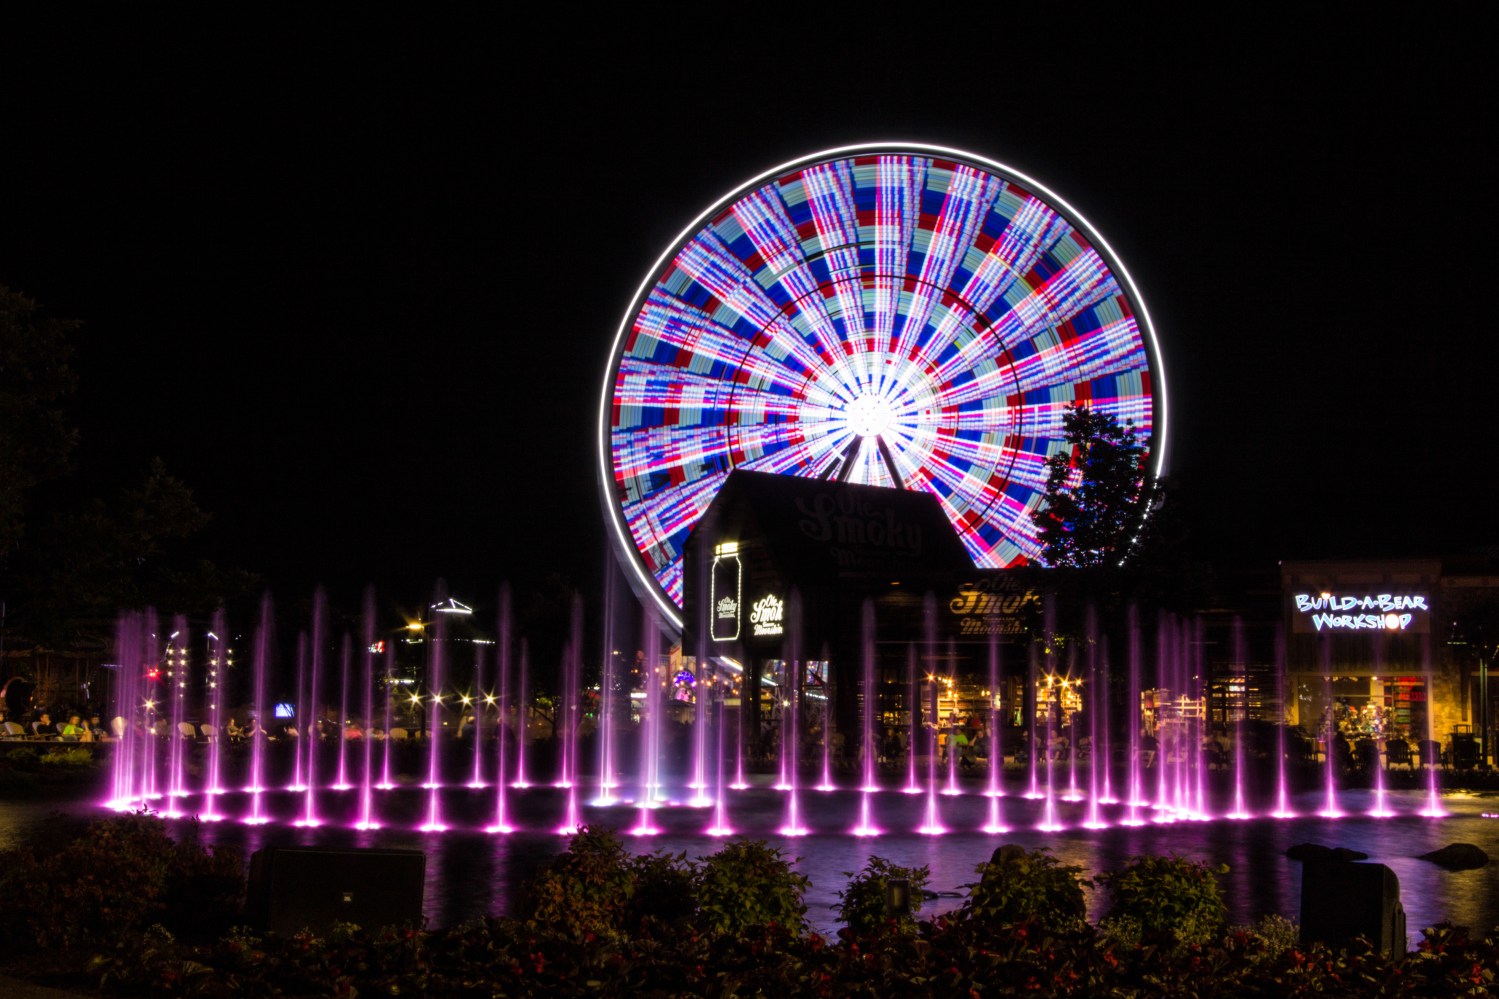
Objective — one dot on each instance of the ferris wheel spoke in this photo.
(1082, 358)
(897, 211)
(708, 263)
(670, 334)
(762, 222)
(685, 396)
(966, 201)
(830, 199)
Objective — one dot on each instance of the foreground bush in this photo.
(748, 884)
(69, 892)
(1019, 885)
(862, 903)
(508, 957)
(1166, 900)
(602, 922)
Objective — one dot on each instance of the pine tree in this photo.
(1095, 492)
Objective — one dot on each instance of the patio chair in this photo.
(399, 734)
(13, 731)
(187, 730)
(209, 732)
(1431, 753)
(117, 726)
(1397, 752)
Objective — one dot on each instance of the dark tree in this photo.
(36, 439)
(1096, 493)
(83, 565)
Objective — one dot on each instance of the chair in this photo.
(117, 726)
(209, 732)
(13, 731)
(1430, 753)
(1397, 752)
(399, 734)
(187, 730)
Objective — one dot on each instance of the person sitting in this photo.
(43, 728)
(72, 730)
(234, 730)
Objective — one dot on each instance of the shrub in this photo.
(1170, 899)
(22, 758)
(1274, 936)
(1020, 885)
(664, 890)
(586, 891)
(863, 902)
(748, 883)
(75, 757)
(68, 891)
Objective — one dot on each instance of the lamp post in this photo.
(1483, 709)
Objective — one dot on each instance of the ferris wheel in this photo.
(901, 315)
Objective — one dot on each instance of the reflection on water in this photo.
(472, 873)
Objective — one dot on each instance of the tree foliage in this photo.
(85, 564)
(64, 573)
(35, 437)
(1096, 492)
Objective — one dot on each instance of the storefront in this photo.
(825, 592)
(1380, 651)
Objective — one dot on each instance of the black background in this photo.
(356, 277)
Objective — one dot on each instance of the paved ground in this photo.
(19, 988)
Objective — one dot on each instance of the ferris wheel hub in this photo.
(870, 415)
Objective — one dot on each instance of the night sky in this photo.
(357, 280)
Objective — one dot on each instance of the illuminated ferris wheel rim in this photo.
(641, 578)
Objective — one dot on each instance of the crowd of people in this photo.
(39, 726)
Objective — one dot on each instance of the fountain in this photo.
(698, 783)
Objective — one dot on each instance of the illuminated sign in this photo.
(767, 615)
(724, 592)
(1321, 612)
(992, 606)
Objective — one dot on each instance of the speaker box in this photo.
(292, 888)
(1342, 900)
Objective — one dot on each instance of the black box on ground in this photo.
(292, 888)
(1342, 900)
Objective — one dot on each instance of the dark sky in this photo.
(356, 280)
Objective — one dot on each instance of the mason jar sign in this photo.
(724, 592)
